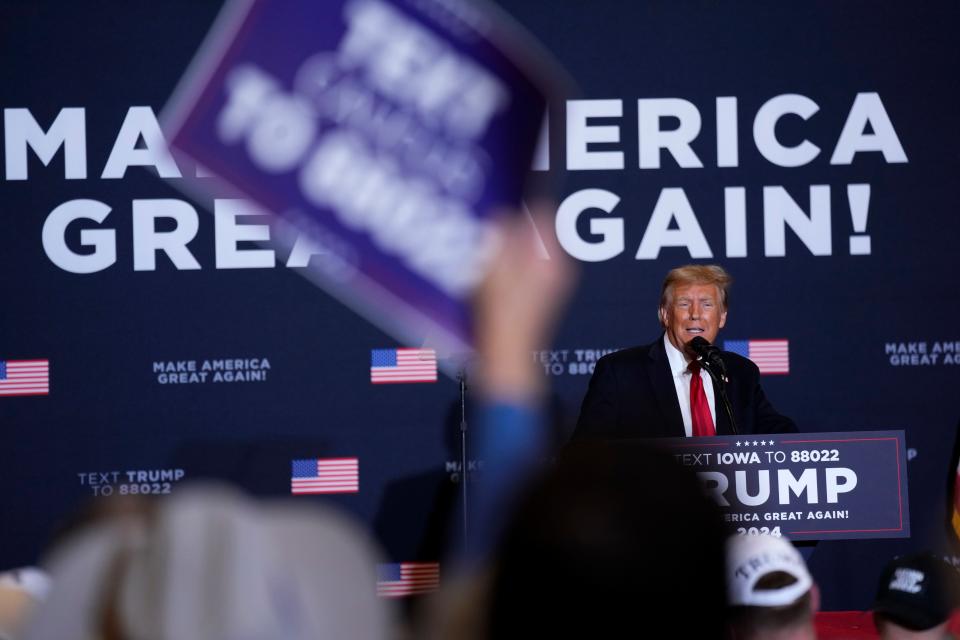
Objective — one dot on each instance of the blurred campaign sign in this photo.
(384, 135)
(808, 486)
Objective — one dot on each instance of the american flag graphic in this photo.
(390, 366)
(24, 377)
(771, 356)
(407, 579)
(325, 475)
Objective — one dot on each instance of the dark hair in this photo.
(612, 538)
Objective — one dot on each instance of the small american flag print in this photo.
(392, 366)
(24, 377)
(325, 475)
(771, 356)
(407, 579)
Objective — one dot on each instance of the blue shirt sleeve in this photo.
(511, 443)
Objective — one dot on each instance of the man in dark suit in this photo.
(651, 391)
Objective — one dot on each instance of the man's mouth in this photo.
(696, 330)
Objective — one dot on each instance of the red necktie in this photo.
(700, 417)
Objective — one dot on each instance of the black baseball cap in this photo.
(916, 592)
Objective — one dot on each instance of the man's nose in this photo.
(694, 311)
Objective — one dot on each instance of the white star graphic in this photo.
(738, 443)
(754, 443)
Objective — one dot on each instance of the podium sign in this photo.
(807, 486)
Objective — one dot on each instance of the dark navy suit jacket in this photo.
(632, 395)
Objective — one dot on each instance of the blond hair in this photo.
(690, 274)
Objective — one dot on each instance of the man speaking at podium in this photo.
(665, 389)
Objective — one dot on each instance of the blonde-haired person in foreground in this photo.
(208, 563)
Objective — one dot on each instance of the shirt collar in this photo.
(678, 361)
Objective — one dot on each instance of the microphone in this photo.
(709, 355)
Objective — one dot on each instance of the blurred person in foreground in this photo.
(21, 591)
(915, 597)
(208, 563)
(771, 593)
(610, 539)
(606, 540)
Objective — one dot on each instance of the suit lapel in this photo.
(724, 427)
(661, 378)
(723, 420)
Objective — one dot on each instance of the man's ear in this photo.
(723, 319)
(662, 314)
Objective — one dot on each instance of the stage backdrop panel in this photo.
(809, 148)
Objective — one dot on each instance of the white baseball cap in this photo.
(751, 557)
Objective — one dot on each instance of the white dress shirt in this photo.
(681, 380)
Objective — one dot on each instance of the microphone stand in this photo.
(720, 384)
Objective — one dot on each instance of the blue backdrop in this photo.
(775, 112)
